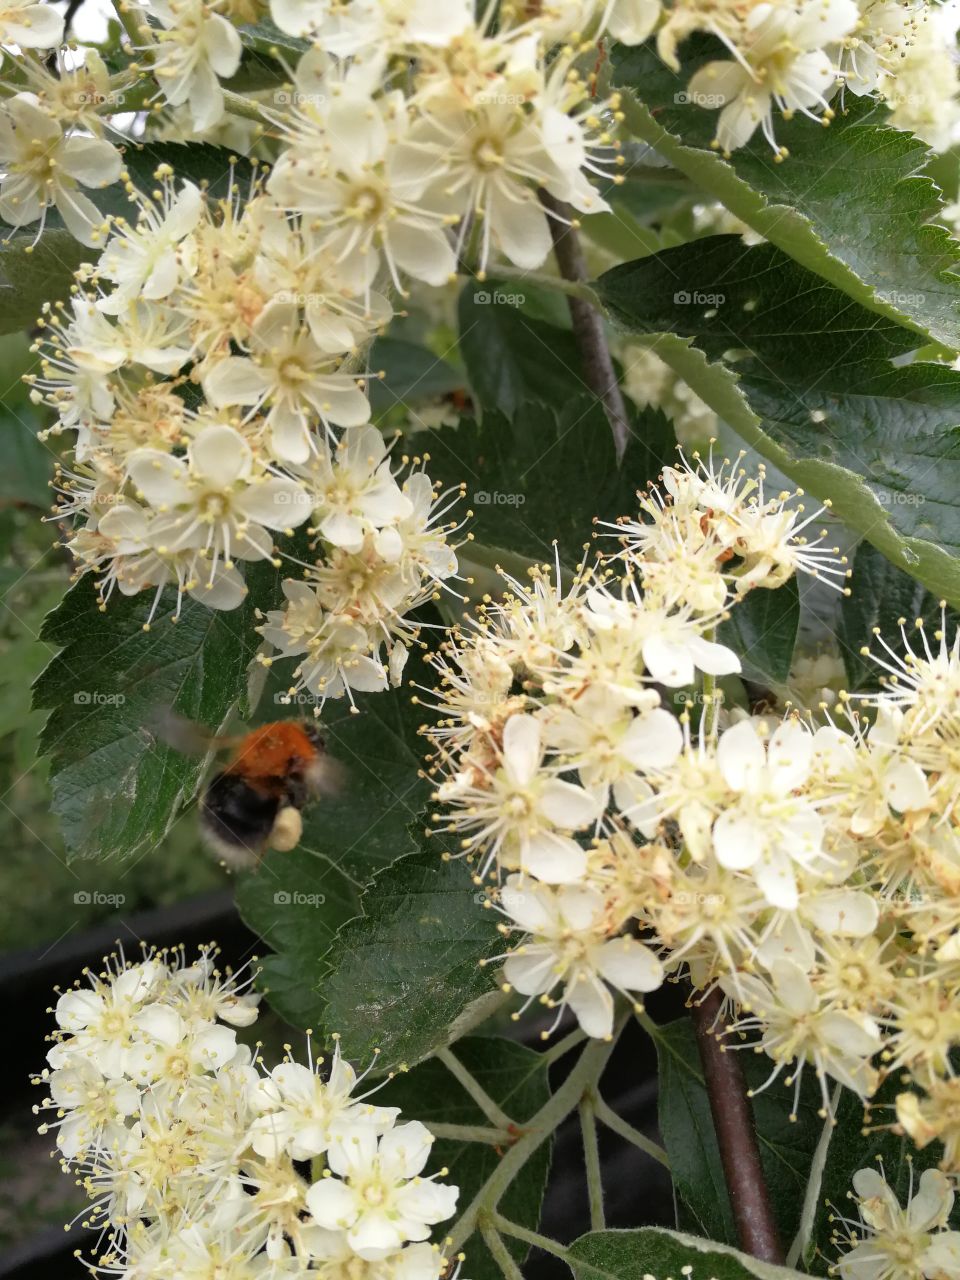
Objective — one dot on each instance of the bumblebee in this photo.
(256, 801)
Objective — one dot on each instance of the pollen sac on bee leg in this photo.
(287, 830)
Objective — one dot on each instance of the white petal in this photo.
(521, 748)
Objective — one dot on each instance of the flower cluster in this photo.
(565, 777)
(807, 864)
(195, 1156)
(192, 460)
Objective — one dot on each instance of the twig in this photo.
(587, 322)
(532, 1238)
(473, 1133)
(586, 1071)
(608, 1117)
(497, 1117)
(736, 1136)
(501, 1254)
(591, 1160)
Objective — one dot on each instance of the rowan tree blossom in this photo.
(187, 1146)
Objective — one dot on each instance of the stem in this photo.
(238, 105)
(498, 1118)
(536, 1131)
(533, 1238)
(814, 1183)
(563, 1047)
(587, 322)
(608, 1117)
(736, 1136)
(473, 1133)
(501, 1254)
(591, 1160)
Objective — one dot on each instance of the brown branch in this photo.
(587, 323)
(736, 1136)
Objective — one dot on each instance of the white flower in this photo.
(292, 379)
(304, 1114)
(770, 828)
(781, 61)
(354, 492)
(147, 260)
(793, 1025)
(176, 1049)
(377, 1197)
(195, 48)
(43, 168)
(213, 502)
(889, 1242)
(102, 1023)
(522, 812)
(30, 25)
(571, 946)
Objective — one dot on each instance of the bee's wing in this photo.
(185, 736)
(327, 777)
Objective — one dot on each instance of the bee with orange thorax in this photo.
(255, 802)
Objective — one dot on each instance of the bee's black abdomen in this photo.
(233, 813)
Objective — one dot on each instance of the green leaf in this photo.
(880, 596)
(412, 372)
(664, 1255)
(549, 473)
(813, 389)
(516, 1078)
(510, 357)
(403, 973)
(762, 629)
(686, 1122)
(297, 901)
(115, 787)
(850, 202)
(34, 273)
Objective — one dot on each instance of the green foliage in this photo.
(635, 1255)
(808, 381)
(546, 474)
(516, 1078)
(116, 787)
(763, 628)
(851, 204)
(402, 974)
